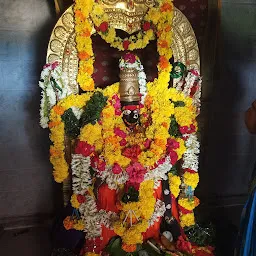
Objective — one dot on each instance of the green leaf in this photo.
(72, 127)
(174, 128)
(178, 104)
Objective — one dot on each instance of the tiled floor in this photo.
(28, 242)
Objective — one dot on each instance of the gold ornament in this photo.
(129, 85)
(127, 15)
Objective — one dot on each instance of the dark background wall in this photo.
(26, 186)
(228, 150)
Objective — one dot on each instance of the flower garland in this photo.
(57, 134)
(138, 41)
(190, 178)
(54, 87)
(161, 18)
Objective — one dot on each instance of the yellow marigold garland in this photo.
(187, 220)
(83, 30)
(191, 179)
(174, 184)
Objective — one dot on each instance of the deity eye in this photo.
(136, 116)
(127, 112)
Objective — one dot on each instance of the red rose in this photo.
(147, 143)
(103, 27)
(126, 44)
(146, 26)
(80, 199)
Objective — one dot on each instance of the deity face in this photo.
(131, 114)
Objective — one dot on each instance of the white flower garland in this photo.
(113, 180)
(190, 157)
(54, 84)
(81, 177)
(158, 212)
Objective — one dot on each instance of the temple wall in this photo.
(26, 184)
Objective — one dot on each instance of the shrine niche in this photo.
(126, 152)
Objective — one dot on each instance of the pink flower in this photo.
(129, 57)
(120, 133)
(132, 152)
(117, 105)
(184, 129)
(55, 64)
(98, 163)
(123, 142)
(136, 172)
(118, 112)
(84, 148)
(147, 143)
(172, 144)
(192, 128)
(116, 168)
(161, 161)
(174, 157)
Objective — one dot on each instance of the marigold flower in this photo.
(59, 110)
(164, 63)
(166, 7)
(129, 247)
(68, 223)
(83, 56)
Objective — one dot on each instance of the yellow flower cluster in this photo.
(92, 134)
(83, 30)
(189, 204)
(187, 220)
(174, 184)
(74, 202)
(191, 179)
(132, 235)
(78, 225)
(57, 134)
